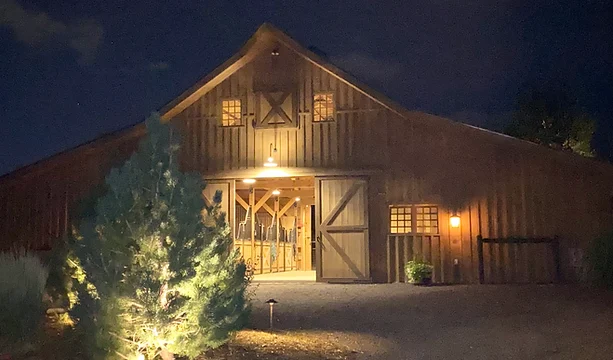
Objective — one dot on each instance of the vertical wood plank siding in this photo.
(36, 203)
(499, 187)
(346, 143)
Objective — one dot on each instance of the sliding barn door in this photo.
(227, 197)
(342, 219)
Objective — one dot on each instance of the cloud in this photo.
(37, 29)
(158, 66)
(368, 67)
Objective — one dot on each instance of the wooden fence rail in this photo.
(534, 260)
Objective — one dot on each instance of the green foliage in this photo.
(418, 272)
(22, 284)
(552, 118)
(159, 279)
(600, 260)
(65, 272)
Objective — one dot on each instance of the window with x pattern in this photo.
(231, 112)
(323, 107)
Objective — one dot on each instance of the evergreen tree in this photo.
(553, 118)
(161, 276)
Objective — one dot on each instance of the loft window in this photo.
(323, 107)
(231, 112)
(417, 219)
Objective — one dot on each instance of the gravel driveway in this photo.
(400, 321)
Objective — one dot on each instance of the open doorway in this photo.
(274, 227)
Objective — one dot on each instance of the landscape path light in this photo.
(271, 303)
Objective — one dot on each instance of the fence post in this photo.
(389, 260)
(480, 256)
(397, 249)
(555, 244)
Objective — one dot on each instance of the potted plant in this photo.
(418, 272)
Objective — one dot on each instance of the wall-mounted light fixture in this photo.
(270, 162)
(276, 192)
(249, 181)
(297, 198)
(454, 220)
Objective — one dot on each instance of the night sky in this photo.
(72, 70)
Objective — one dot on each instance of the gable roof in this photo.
(267, 32)
(249, 51)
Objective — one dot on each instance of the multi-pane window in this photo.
(426, 220)
(418, 219)
(231, 112)
(323, 107)
(400, 219)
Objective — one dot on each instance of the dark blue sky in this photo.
(72, 70)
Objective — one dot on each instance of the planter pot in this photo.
(423, 282)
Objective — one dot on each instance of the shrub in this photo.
(600, 260)
(418, 272)
(158, 279)
(22, 284)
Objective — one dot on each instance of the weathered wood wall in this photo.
(500, 186)
(37, 203)
(348, 142)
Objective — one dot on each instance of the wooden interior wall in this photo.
(355, 139)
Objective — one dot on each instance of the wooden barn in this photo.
(320, 173)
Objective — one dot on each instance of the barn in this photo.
(320, 173)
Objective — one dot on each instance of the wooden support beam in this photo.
(287, 206)
(268, 209)
(253, 257)
(276, 183)
(278, 233)
(242, 202)
(262, 201)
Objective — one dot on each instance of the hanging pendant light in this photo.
(270, 162)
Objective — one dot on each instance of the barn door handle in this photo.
(318, 238)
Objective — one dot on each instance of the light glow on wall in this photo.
(454, 221)
(271, 173)
(270, 162)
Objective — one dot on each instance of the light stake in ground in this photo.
(271, 303)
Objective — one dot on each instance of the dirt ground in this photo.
(400, 321)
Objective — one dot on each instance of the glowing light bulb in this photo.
(454, 221)
(249, 181)
(276, 192)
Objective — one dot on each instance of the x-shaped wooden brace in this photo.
(276, 108)
(326, 228)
